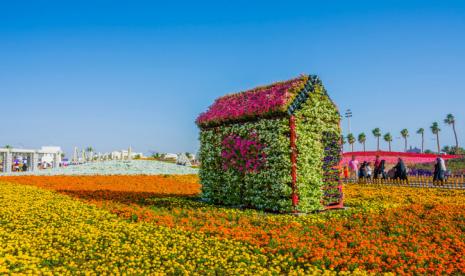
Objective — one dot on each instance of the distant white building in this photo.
(51, 154)
(171, 156)
(123, 154)
(48, 156)
(116, 155)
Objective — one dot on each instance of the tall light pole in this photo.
(348, 115)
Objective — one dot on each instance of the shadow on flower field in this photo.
(126, 197)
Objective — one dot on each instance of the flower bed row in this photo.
(153, 184)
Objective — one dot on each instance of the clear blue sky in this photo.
(111, 74)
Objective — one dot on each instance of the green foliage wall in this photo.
(267, 189)
(317, 116)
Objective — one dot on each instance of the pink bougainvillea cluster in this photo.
(259, 101)
(244, 155)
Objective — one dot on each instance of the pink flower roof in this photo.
(264, 101)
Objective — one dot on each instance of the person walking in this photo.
(376, 171)
(377, 162)
(369, 170)
(346, 173)
(382, 169)
(439, 170)
(401, 170)
(362, 173)
(353, 166)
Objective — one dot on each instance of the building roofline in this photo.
(14, 150)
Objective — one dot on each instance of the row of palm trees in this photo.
(387, 137)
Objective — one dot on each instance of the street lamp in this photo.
(348, 115)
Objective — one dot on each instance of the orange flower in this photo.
(184, 185)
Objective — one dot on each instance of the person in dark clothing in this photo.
(377, 172)
(377, 162)
(436, 171)
(381, 170)
(401, 170)
(439, 170)
(362, 173)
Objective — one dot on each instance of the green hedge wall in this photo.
(317, 117)
(266, 189)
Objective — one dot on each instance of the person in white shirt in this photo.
(369, 170)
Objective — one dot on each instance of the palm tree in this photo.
(8, 147)
(362, 138)
(421, 131)
(90, 150)
(405, 135)
(450, 120)
(377, 133)
(351, 140)
(435, 130)
(388, 138)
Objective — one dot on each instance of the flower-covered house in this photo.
(274, 147)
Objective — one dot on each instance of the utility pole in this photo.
(348, 115)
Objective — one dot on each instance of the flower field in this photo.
(42, 232)
(146, 223)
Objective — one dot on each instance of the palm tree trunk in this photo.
(422, 143)
(456, 139)
(378, 143)
(364, 148)
(352, 145)
(437, 140)
(390, 146)
(405, 144)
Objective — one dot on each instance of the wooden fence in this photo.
(416, 182)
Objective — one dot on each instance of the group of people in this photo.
(366, 170)
(20, 166)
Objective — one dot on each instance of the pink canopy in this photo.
(391, 157)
